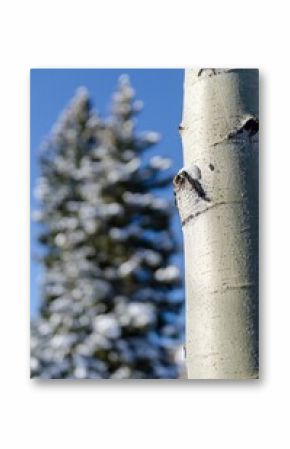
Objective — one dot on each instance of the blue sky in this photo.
(52, 89)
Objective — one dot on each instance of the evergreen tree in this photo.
(111, 300)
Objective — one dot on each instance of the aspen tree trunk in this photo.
(217, 197)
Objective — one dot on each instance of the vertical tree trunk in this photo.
(217, 197)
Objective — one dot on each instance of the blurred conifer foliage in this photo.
(112, 303)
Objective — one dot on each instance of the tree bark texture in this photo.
(217, 198)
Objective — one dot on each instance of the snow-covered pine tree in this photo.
(111, 306)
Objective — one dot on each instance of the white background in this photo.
(144, 414)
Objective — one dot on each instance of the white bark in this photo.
(217, 197)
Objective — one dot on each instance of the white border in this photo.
(144, 414)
